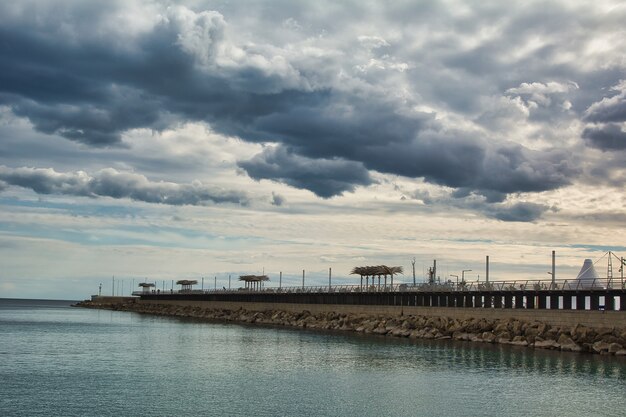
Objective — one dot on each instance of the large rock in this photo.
(547, 344)
(488, 337)
(519, 341)
(600, 347)
(614, 348)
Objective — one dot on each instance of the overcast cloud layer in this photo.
(427, 90)
(507, 112)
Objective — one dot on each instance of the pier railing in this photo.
(599, 284)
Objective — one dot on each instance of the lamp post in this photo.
(463, 275)
(457, 278)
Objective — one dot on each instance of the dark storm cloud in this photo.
(325, 177)
(606, 137)
(118, 185)
(606, 115)
(609, 109)
(518, 212)
(75, 77)
(489, 206)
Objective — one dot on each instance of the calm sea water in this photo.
(61, 361)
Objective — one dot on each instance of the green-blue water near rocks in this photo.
(61, 361)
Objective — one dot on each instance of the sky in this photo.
(159, 140)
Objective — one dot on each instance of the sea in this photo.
(58, 360)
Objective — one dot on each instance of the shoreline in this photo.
(537, 335)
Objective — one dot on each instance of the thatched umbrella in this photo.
(373, 271)
(186, 284)
(359, 270)
(392, 270)
(254, 280)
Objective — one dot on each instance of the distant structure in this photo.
(376, 271)
(254, 282)
(186, 284)
(145, 287)
(588, 277)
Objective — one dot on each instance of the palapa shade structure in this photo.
(254, 282)
(376, 271)
(186, 284)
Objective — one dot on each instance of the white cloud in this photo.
(445, 100)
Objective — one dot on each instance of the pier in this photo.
(600, 295)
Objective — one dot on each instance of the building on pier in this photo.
(146, 287)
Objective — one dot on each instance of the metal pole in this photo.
(487, 269)
(621, 268)
(113, 287)
(303, 278)
(202, 283)
(133, 286)
(229, 281)
(329, 274)
(280, 279)
(100, 290)
(215, 287)
(553, 269)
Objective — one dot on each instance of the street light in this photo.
(463, 275)
(457, 278)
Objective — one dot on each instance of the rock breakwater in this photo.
(605, 341)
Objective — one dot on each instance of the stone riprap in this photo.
(605, 341)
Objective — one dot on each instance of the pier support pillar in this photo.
(460, 300)
(530, 301)
(580, 302)
(488, 301)
(497, 301)
(567, 301)
(508, 301)
(622, 303)
(609, 302)
(420, 300)
(594, 301)
(435, 300)
(469, 300)
(542, 298)
(519, 301)
(478, 301)
(444, 300)
(554, 301)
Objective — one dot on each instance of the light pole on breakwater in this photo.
(463, 275)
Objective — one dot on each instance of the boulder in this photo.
(600, 347)
(547, 344)
(380, 330)
(615, 347)
(519, 341)
(503, 337)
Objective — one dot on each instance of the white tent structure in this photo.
(587, 277)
